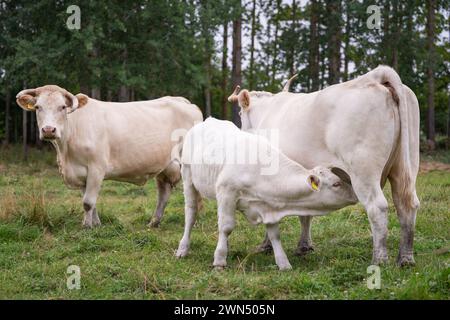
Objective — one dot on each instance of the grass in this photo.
(41, 235)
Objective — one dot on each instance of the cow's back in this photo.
(132, 141)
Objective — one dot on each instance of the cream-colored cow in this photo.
(97, 140)
(369, 127)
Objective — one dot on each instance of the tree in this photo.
(431, 5)
(333, 8)
(224, 82)
(236, 77)
(314, 46)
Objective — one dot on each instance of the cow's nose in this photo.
(48, 129)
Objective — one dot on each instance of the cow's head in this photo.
(52, 104)
(334, 188)
(249, 102)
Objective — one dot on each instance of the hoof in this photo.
(219, 268)
(181, 253)
(286, 267)
(154, 224)
(380, 260)
(301, 251)
(406, 261)
(264, 248)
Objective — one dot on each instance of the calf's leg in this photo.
(93, 185)
(191, 207)
(281, 259)
(226, 206)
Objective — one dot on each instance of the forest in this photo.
(201, 49)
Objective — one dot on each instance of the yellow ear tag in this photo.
(314, 185)
(29, 106)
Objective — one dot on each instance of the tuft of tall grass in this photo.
(8, 205)
(34, 208)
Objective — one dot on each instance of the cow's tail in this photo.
(391, 80)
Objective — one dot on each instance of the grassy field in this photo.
(41, 235)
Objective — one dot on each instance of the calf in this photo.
(211, 168)
(97, 140)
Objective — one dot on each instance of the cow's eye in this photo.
(63, 107)
(36, 107)
(336, 184)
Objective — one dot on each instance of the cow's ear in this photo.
(26, 102)
(313, 182)
(341, 174)
(244, 99)
(26, 99)
(82, 100)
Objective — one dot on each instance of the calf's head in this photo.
(51, 104)
(333, 188)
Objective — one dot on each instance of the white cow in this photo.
(97, 140)
(369, 127)
(211, 168)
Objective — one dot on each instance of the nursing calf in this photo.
(245, 172)
(97, 140)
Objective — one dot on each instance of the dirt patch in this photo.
(427, 166)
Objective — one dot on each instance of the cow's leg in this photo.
(273, 231)
(226, 205)
(305, 244)
(165, 181)
(191, 207)
(266, 245)
(93, 185)
(369, 193)
(406, 204)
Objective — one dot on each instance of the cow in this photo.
(369, 127)
(96, 140)
(211, 169)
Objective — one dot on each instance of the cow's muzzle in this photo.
(49, 133)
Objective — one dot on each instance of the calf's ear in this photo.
(26, 99)
(313, 182)
(341, 174)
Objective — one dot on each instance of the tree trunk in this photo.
(96, 93)
(334, 41)
(252, 47)
(275, 45)
(431, 5)
(24, 135)
(293, 30)
(123, 94)
(237, 57)
(224, 85)
(396, 34)
(347, 40)
(314, 47)
(7, 116)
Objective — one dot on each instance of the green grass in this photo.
(41, 235)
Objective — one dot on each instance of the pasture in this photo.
(41, 235)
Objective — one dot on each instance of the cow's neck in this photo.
(62, 147)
